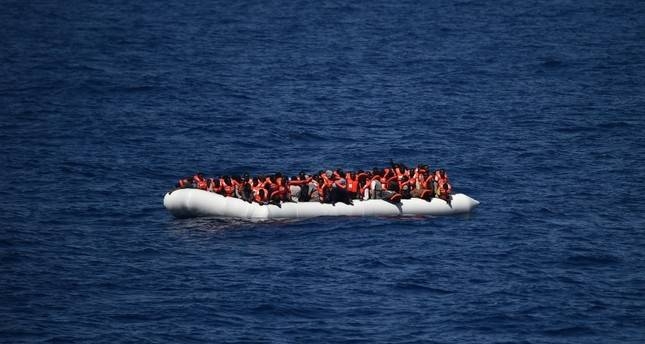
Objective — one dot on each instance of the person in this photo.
(260, 196)
(299, 187)
(376, 188)
(405, 187)
(444, 189)
(245, 189)
(315, 189)
(352, 184)
(200, 181)
(326, 182)
(338, 193)
(227, 186)
(428, 188)
(279, 190)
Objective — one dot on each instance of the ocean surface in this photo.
(535, 108)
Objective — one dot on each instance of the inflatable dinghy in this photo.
(185, 203)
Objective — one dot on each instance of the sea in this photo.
(535, 108)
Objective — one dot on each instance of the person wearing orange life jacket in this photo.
(418, 182)
(428, 188)
(440, 175)
(260, 194)
(227, 186)
(334, 187)
(280, 192)
(200, 181)
(444, 189)
(352, 184)
(400, 170)
(215, 186)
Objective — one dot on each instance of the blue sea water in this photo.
(535, 108)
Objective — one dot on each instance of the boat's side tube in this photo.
(193, 202)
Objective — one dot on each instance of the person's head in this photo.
(301, 174)
(329, 173)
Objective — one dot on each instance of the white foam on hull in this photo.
(194, 203)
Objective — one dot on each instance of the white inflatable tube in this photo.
(184, 203)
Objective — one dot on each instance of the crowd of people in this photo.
(391, 184)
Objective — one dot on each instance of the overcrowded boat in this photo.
(392, 191)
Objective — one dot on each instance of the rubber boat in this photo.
(184, 203)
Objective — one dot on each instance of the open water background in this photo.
(534, 107)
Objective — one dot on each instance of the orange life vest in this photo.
(228, 187)
(352, 184)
